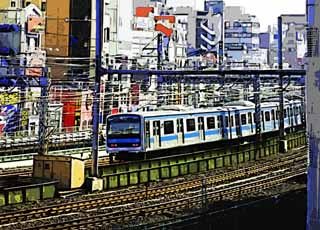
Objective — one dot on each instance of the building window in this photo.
(168, 127)
(13, 4)
(28, 3)
(236, 24)
(43, 6)
(191, 125)
(107, 34)
(23, 3)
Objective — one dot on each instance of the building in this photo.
(196, 5)
(21, 37)
(294, 42)
(68, 38)
(241, 36)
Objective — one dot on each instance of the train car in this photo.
(146, 133)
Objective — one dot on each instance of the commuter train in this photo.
(146, 133)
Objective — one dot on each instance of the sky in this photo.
(267, 11)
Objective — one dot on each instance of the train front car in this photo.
(124, 135)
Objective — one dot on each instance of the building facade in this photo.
(294, 42)
(241, 36)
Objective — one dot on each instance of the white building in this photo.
(294, 41)
(241, 36)
(197, 5)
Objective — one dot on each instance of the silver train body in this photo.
(146, 132)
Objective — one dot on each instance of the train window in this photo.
(168, 127)
(262, 116)
(232, 123)
(267, 115)
(285, 113)
(277, 114)
(243, 119)
(254, 118)
(211, 123)
(291, 112)
(250, 118)
(191, 125)
(272, 114)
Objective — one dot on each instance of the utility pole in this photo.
(313, 114)
(96, 93)
(283, 143)
(43, 121)
(159, 51)
(257, 110)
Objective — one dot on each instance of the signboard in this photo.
(24, 119)
(35, 25)
(9, 98)
(142, 23)
(135, 88)
(35, 62)
(9, 118)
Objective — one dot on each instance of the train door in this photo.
(250, 121)
(147, 135)
(226, 127)
(156, 134)
(221, 126)
(273, 118)
(295, 113)
(231, 123)
(263, 127)
(201, 128)
(238, 124)
(291, 115)
(180, 131)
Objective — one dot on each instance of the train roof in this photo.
(175, 110)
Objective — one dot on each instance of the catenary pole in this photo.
(96, 93)
(280, 66)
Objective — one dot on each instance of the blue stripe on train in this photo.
(191, 135)
(212, 132)
(169, 138)
(122, 140)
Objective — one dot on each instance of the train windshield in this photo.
(123, 125)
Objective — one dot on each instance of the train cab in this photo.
(124, 133)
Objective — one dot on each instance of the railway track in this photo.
(174, 206)
(107, 200)
(23, 171)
